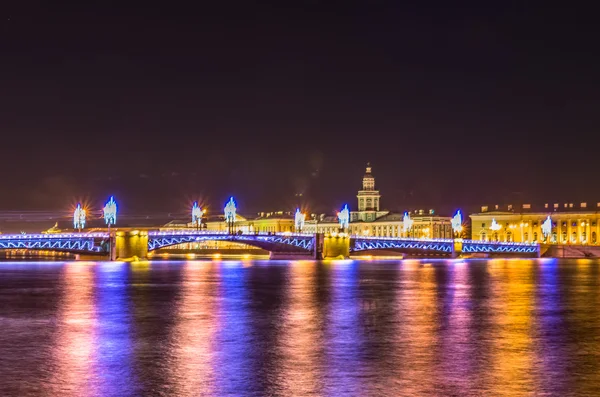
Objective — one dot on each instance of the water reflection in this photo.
(114, 345)
(302, 333)
(233, 345)
(74, 346)
(417, 336)
(409, 328)
(192, 339)
(343, 335)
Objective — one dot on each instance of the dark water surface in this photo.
(342, 328)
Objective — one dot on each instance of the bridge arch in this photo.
(272, 243)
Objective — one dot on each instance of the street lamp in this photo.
(196, 215)
(230, 211)
(344, 218)
(407, 224)
(79, 218)
(457, 224)
(299, 220)
(110, 217)
(547, 227)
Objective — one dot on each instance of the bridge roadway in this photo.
(137, 243)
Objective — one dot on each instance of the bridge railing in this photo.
(222, 233)
(434, 240)
(51, 236)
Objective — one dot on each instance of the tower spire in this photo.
(368, 197)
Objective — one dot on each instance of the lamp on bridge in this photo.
(299, 218)
(230, 211)
(407, 224)
(110, 217)
(547, 227)
(79, 218)
(110, 212)
(197, 215)
(344, 218)
(456, 222)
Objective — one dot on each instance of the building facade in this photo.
(569, 224)
(370, 220)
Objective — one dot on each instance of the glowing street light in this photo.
(407, 224)
(344, 218)
(110, 212)
(299, 218)
(547, 227)
(457, 223)
(495, 226)
(110, 217)
(79, 218)
(230, 211)
(197, 215)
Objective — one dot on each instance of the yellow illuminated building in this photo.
(370, 220)
(570, 224)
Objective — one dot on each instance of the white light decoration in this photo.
(299, 218)
(110, 212)
(230, 211)
(407, 223)
(196, 214)
(79, 218)
(547, 227)
(344, 217)
(495, 225)
(457, 222)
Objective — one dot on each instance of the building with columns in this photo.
(370, 220)
(576, 224)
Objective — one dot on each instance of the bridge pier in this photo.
(334, 246)
(131, 245)
(457, 247)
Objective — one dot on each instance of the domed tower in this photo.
(368, 197)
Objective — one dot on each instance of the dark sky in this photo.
(160, 105)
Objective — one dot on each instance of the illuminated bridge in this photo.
(279, 242)
(89, 243)
(137, 243)
(441, 246)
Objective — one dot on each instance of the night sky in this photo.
(161, 105)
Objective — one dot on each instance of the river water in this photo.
(340, 328)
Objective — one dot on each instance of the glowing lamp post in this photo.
(407, 224)
(197, 215)
(110, 217)
(110, 212)
(457, 224)
(79, 218)
(230, 211)
(344, 218)
(299, 218)
(495, 226)
(547, 227)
